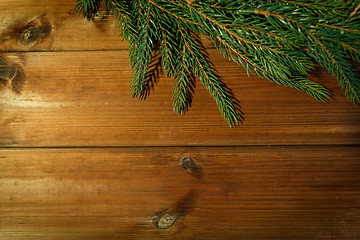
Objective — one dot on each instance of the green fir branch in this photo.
(87, 8)
(339, 67)
(184, 86)
(196, 57)
(277, 40)
(122, 13)
(140, 50)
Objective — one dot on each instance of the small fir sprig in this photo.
(277, 40)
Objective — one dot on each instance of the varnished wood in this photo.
(235, 193)
(65, 30)
(68, 106)
(81, 99)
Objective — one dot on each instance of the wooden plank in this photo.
(235, 193)
(81, 99)
(57, 26)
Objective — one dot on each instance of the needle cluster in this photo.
(279, 40)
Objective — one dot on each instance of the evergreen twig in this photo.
(277, 40)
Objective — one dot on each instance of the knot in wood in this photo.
(188, 164)
(30, 36)
(6, 72)
(166, 220)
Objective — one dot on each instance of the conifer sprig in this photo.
(278, 40)
(87, 8)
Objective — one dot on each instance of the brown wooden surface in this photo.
(81, 159)
(66, 30)
(81, 99)
(237, 193)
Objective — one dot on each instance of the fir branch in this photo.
(335, 64)
(272, 58)
(276, 40)
(184, 86)
(238, 56)
(174, 62)
(306, 4)
(299, 82)
(168, 44)
(152, 74)
(140, 51)
(216, 24)
(356, 10)
(314, 89)
(353, 52)
(192, 58)
(121, 10)
(339, 67)
(171, 13)
(340, 28)
(256, 30)
(205, 71)
(87, 8)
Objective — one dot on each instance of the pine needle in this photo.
(278, 40)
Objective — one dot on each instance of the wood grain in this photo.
(65, 30)
(235, 193)
(81, 99)
(81, 159)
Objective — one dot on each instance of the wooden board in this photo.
(81, 159)
(81, 99)
(235, 193)
(59, 28)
